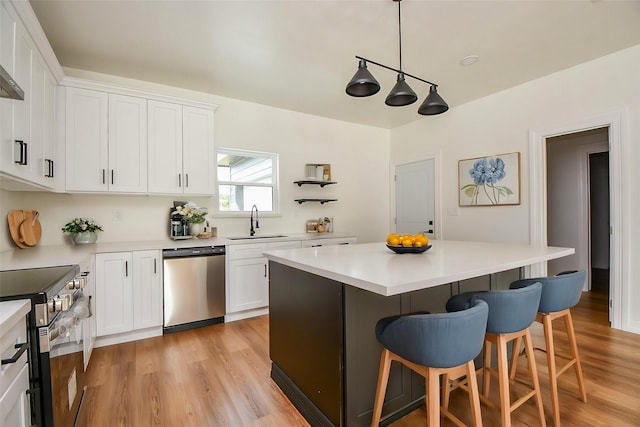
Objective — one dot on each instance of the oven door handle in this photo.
(21, 349)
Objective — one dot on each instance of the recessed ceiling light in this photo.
(469, 60)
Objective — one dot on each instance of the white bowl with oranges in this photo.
(408, 243)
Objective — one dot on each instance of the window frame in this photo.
(274, 185)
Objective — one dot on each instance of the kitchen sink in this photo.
(273, 236)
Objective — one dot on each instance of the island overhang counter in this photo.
(324, 303)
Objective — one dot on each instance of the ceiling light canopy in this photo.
(364, 84)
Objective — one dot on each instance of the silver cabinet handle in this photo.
(186, 180)
(111, 176)
(155, 269)
(103, 172)
(179, 180)
(126, 268)
(265, 270)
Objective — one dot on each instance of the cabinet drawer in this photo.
(15, 334)
(14, 402)
(249, 250)
(283, 245)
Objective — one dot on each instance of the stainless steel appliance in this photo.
(58, 311)
(194, 281)
(9, 88)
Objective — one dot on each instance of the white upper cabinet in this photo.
(87, 152)
(181, 152)
(127, 144)
(165, 148)
(27, 145)
(106, 142)
(198, 152)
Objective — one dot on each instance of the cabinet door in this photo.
(147, 289)
(16, 157)
(49, 165)
(14, 404)
(248, 284)
(87, 144)
(89, 325)
(198, 151)
(36, 144)
(7, 41)
(165, 148)
(114, 293)
(127, 144)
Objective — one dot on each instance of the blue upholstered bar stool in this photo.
(559, 294)
(432, 345)
(511, 313)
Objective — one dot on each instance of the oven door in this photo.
(66, 369)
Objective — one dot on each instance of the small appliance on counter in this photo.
(178, 226)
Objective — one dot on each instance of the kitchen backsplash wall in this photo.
(359, 158)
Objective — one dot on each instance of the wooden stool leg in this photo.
(503, 380)
(486, 374)
(446, 390)
(551, 363)
(568, 322)
(514, 358)
(528, 347)
(474, 395)
(381, 389)
(433, 398)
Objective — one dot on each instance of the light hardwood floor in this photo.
(219, 376)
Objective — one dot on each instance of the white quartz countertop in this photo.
(55, 255)
(373, 267)
(12, 311)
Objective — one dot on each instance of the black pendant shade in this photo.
(363, 83)
(434, 104)
(401, 94)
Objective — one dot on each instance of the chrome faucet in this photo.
(251, 229)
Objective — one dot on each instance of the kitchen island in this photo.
(324, 304)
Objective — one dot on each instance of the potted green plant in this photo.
(82, 230)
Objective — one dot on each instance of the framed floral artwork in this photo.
(489, 181)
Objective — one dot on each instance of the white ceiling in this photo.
(299, 54)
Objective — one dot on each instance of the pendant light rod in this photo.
(397, 71)
(400, 31)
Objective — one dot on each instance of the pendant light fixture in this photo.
(364, 84)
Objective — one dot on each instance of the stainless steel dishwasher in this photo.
(194, 281)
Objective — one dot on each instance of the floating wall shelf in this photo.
(321, 201)
(313, 182)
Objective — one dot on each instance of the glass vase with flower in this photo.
(195, 216)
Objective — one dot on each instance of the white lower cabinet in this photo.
(14, 376)
(128, 292)
(248, 278)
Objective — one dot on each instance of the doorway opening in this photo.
(578, 204)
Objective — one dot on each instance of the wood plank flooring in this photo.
(219, 376)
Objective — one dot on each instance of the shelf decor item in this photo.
(83, 230)
(489, 181)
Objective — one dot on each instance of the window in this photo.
(247, 178)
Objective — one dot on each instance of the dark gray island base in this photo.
(323, 349)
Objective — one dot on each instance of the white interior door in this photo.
(415, 198)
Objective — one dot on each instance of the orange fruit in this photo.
(393, 241)
(418, 244)
(407, 242)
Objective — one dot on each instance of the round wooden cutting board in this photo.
(30, 228)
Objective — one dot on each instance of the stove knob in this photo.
(54, 304)
(70, 284)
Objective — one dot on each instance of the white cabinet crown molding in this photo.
(119, 90)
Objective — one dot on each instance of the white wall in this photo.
(500, 123)
(356, 153)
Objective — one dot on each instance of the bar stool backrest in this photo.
(509, 310)
(440, 340)
(558, 292)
